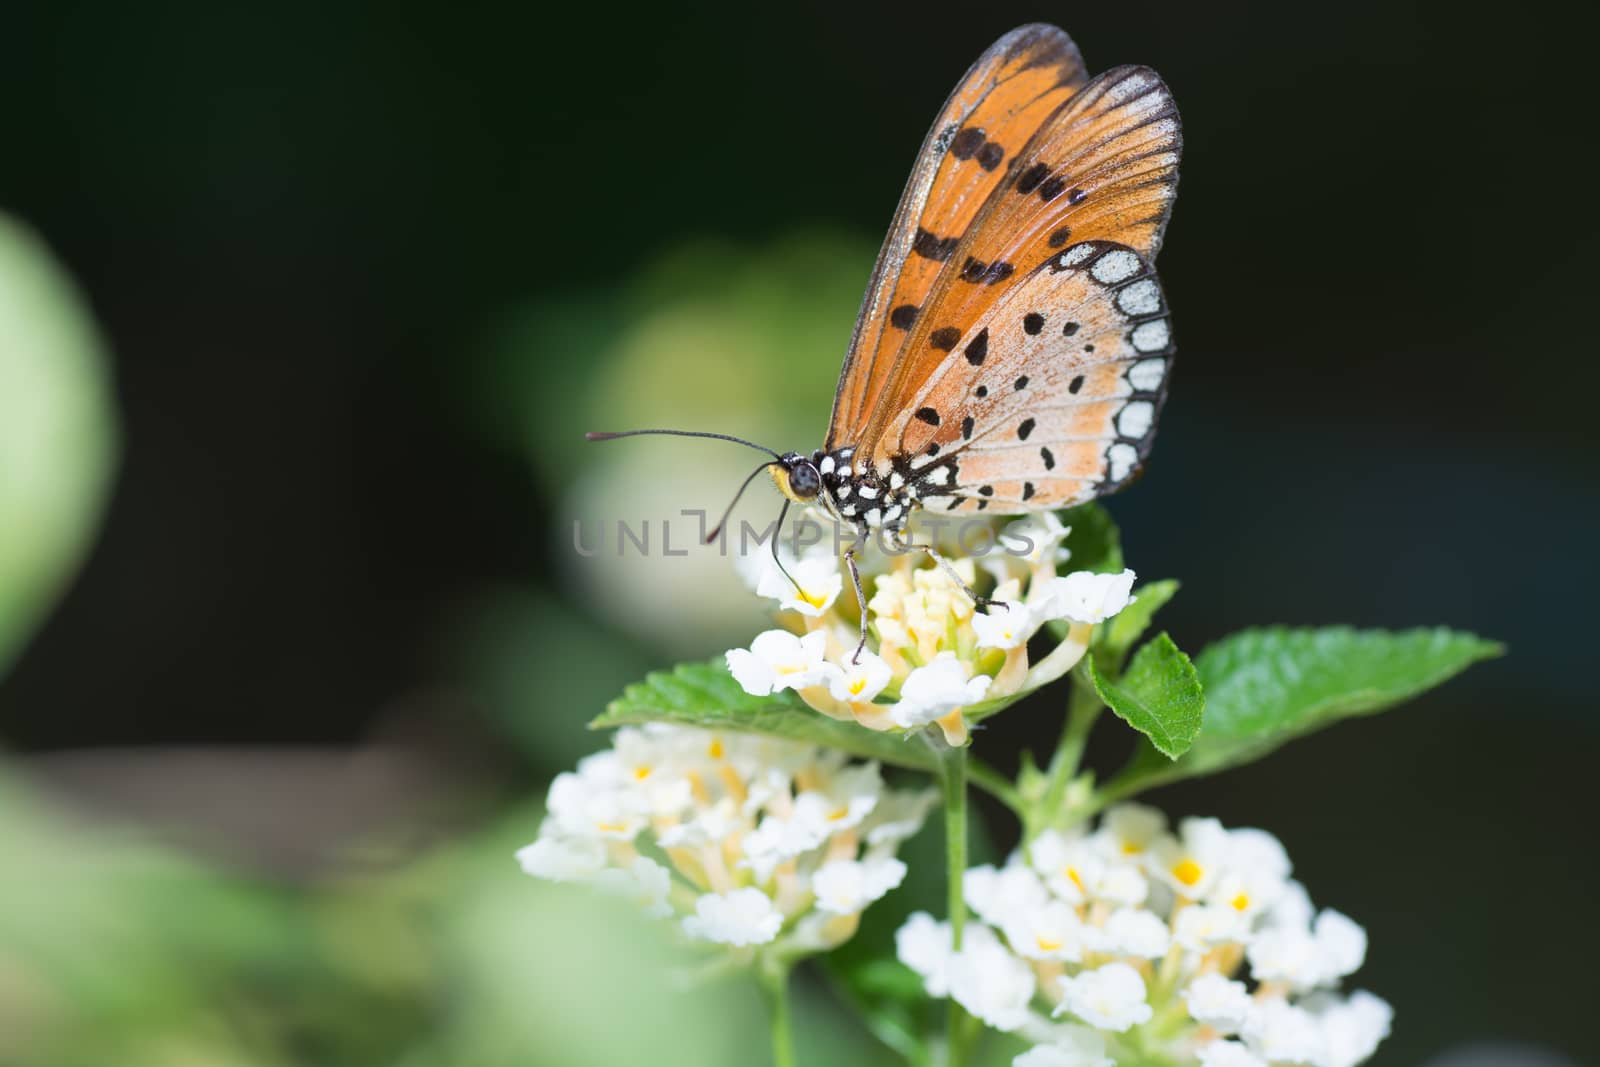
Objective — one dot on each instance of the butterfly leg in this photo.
(861, 600)
(902, 544)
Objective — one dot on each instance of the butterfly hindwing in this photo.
(1024, 78)
(1062, 405)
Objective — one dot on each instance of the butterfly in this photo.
(1013, 348)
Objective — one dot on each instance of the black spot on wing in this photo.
(980, 273)
(903, 316)
(944, 338)
(1032, 322)
(1030, 179)
(938, 249)
(990, 156)
(928, 415)
(966, 143)
(978, 348)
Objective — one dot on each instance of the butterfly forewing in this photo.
(1042, 350)
(969, 153)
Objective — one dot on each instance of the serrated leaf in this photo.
(706, 695)
(1095, 543)
(1159, 695)
(1115, 638)
(1266, 687)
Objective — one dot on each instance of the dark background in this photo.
(302, 228)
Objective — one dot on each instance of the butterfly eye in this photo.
(804, 481)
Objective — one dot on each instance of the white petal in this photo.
(1084, 596)
(742, 917)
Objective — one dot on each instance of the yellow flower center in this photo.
(1131, 848)
(1074, 877)
(641, 773)
(838, 813)
(1188, 872)
(715, 750)
(1241, 902)
(857, 686)
(814, 600)
(1045, 944)
(610, 827)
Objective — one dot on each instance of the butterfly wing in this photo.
(992, 115)
(1041, 359)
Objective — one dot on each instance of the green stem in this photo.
(995, 784)
(953, 775)
(775, 984)
(1083, 708)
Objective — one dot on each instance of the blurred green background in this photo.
(304, 309)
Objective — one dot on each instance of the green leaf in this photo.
(705, 695)
(1115, 638)
(1265, 687)
(1159, 695)
(1268, 686)
(58, 433)
(1094, 543)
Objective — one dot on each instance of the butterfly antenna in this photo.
(717, 529)
(600, 436)
(777, 534)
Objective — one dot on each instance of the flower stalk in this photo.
(1083, 710)
(775, 986)
(953, 778)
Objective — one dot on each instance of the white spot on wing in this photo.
(1135, 419)
(1116, 265)
(895, 481)
(1146, 375)
(844, 490)
(1140, 298)
(826, 466)
(939, 476)
(868, 493)
(1120, 459)
(1076, 254)
(874, 517)
(1152, 336)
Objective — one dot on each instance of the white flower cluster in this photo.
(1196, 947)
(930, 654)
(752, 840)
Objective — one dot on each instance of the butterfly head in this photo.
(797, 477)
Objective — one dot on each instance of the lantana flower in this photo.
(930, 652)
(1196, 947)
(754, 843)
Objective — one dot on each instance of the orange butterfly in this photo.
(1013, 349)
